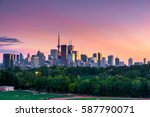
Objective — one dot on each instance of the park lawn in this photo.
(29, 95)
(26, 95)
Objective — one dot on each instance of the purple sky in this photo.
(119, 27)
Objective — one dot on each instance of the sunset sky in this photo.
(118, 27)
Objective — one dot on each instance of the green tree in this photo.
(73, 87)
(41, 84)
(84, 87)
(59, 84)
(94, 86)
(8, 78)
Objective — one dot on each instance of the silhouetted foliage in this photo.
(124, 81)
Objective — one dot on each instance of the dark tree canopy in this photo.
(124, 81)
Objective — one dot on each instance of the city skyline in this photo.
(64, 55)
(120, 28)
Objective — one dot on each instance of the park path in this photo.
(76, 97)
(71, 97)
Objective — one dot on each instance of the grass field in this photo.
(31, 95)
(27, 95)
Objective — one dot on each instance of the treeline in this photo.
(125, 81)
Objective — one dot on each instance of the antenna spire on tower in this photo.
(58, 46)
(71, 42)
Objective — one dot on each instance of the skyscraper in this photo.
(41, 57)
(54, 53)
(117, 61)
(76, 54)
(70, 48)
(28, 59)
(110, 60)
(130, 61)
(34, 61)
(64, 54)
(53, 57)
(58, 47)
(103, 63)
(144, 60)
(99, 59)
(95, 55)
(84, 57)
(70, 52)
(21, 58)
(8, 60)
(16, 59)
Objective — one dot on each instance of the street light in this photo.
(36, 73)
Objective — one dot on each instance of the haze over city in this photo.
(113, 27)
